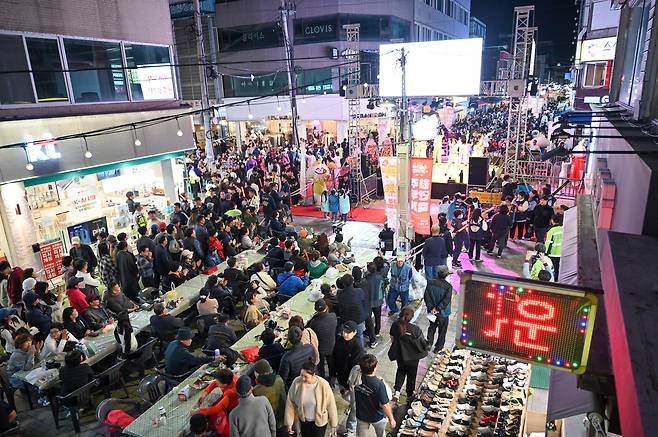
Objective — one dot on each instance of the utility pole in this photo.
(403, 151)
(203, 80)
(287, 9)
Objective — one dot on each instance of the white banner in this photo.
(389, 168)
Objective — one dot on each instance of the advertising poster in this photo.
(87, 231)
(420, 194)
(389, 168)
(51, 254)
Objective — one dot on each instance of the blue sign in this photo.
(108, 174)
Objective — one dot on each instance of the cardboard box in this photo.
(536, 422)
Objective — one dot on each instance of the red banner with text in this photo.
(420, 194)
(51, 258)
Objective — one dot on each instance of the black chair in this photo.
(73, 401)
(128, 406)
(112, 377)
(172, 380)
(282, 298)
(151, 389)
(143, 355)
(203, 323)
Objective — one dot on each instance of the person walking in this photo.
(253, 416)
(374, 286)
(435, 253)
(477, 226)
(407, 349)
(500, 228)
(311, 404)
(460, 239)
(542, 219)
(324, 324)
(372, 398)
(347, 353)
(401, 273)
(438, 298)
(353, 305)
(554, 243)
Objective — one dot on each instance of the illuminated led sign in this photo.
(537, 322)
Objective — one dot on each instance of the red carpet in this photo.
(370, 215)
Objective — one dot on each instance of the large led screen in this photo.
(433, 68)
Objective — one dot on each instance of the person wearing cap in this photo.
(324, 324)
(77, 298)
(536, 262)
(96, 315)
(311, 405)
(297, 354)
(85, 252)
(271, 386)
(438, 298)
(347, 352)
(130, 202)
(254, 415)
(227, 383)
(401, 273)
(38, 314)
(178, 359)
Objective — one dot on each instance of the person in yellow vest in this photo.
(140, 216)
(554, 243)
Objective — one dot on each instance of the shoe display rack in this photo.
(469, 394)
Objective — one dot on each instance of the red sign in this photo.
(421, 194)
(538, 322)
(51, 258)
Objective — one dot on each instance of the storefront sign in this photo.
(389, 168)
(256, 36)
(51, 255)
(316, 29)
(538, 322)
(185, 8)
(155, 81)
(84, 198)
(42, 150)
(600, 49)
(420, 194)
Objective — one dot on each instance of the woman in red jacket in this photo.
(77, 298)
(218, 412)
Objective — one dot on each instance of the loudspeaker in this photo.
(478, 171)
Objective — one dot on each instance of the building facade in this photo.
(477, 29)
(77, 67)
(250, 42)
(595, 51)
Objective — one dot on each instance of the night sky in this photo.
(554, 18)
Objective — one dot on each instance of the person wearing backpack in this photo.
(477, 226)
(438, 299)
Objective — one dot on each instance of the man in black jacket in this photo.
(237, 279)
(163, 324)
(295, 357)
(347, 352)
(542, 220)
(353, 305)
(324, 324)
(500, 226)
(144, 240)
(161, 259)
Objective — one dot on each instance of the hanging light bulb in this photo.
(28, 165)
(250, 115)
(179, 132)
(88, 154)
(278, 104)
(137, 141)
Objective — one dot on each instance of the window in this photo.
(636, 32)
(47, 70)
(100, 76)
(594, 75)
(149, 72)
(15, 88)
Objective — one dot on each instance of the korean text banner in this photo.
(388, 166)
(420, 194)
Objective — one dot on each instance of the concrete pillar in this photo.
(238, 134)
(18, 225)
(168, 180)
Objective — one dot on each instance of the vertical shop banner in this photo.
(389, 168)
(420, 194)
(51, 254)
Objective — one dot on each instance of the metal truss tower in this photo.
(353, 95)
(517, 123)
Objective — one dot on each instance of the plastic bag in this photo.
(250, 354)
(418, 284)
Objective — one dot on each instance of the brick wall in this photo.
(131, 20)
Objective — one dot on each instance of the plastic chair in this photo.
(72, 402)
(112, 377)
(128, 406)
(173, 380)
(203, 323)
(143, 355)
(151, 389)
